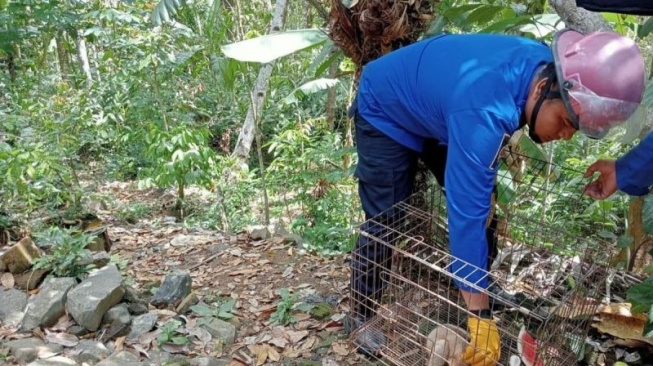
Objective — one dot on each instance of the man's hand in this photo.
(606, 184)
(485, 346)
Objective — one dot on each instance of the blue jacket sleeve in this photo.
(475, 140)
(635, 169)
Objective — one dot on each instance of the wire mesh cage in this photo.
(545, 282)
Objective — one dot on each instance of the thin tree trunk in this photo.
(62, 57)
(82, 58)
(246, 136)
(577, 18)
(331, 94)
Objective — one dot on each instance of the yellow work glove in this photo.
(485, 346)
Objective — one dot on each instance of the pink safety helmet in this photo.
(601, 76)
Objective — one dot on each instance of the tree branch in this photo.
(320, 9)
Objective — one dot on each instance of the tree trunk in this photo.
(635, 231)
(62, 57)
(331, 94)
(246, 136)
(82, 58)
(577, 18)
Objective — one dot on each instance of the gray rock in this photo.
(98, 258)
(174, 288)
(158, 357)
(218, 248)
(142, 324)
(27, 350)
(54, 361)
(136, 308)
(208, 361)
(12, 304)
(122, 358)
(77, 330)
(89, 300)
(90, 351)
(222, 330)
(133, 296)
(46, 307)
(119, 313)
(259, 232)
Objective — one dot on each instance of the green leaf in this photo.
(646, 28)
(506, 24)
(165, 10)
(543, 25)
(647, 100)
(532, 149)
(456, 12)
(310, 88)
(505, 187)
(641, 296)
(483, 14)
(648, 327)
(624, 241)
(225, 315)
(180, 340)
(647, 214)
(202, 310)
(270, 47)
(228, 305)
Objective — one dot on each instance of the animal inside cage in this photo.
(545, 281)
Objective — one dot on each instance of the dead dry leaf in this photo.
(295, 336)
(340, 349)
(120, 341)
(174, 348)
(279, 342)
(273, 355)
(64, 339)
(260, 353)
(141, 350)
(624, 327)
(7, 280)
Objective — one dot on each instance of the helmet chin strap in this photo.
(547, 93)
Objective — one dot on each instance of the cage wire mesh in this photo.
(545, 281)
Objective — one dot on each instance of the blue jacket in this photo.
(468, 92)
(635, 169)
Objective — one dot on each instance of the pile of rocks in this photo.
(99, 310)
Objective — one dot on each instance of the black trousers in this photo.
(386, 173)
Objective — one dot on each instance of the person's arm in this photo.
(635, 169)
(632, 173)
(475, 139)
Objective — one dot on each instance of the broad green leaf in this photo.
(645, 28)
(225, 315)
(202, 310)
(648, 327)
(483, 14)
(531, 149)
(624, 241)
(506, 24)
(505, 187)
(641, 296)
(311, 87)
(543, 25)
(648, 93)
(270, 47)
(647, 214)
(228, 305)
(456, 12)
(165, 10)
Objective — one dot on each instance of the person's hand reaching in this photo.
(485, 346)
(606, 184)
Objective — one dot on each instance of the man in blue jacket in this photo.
(632, 173)
(454, 101)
